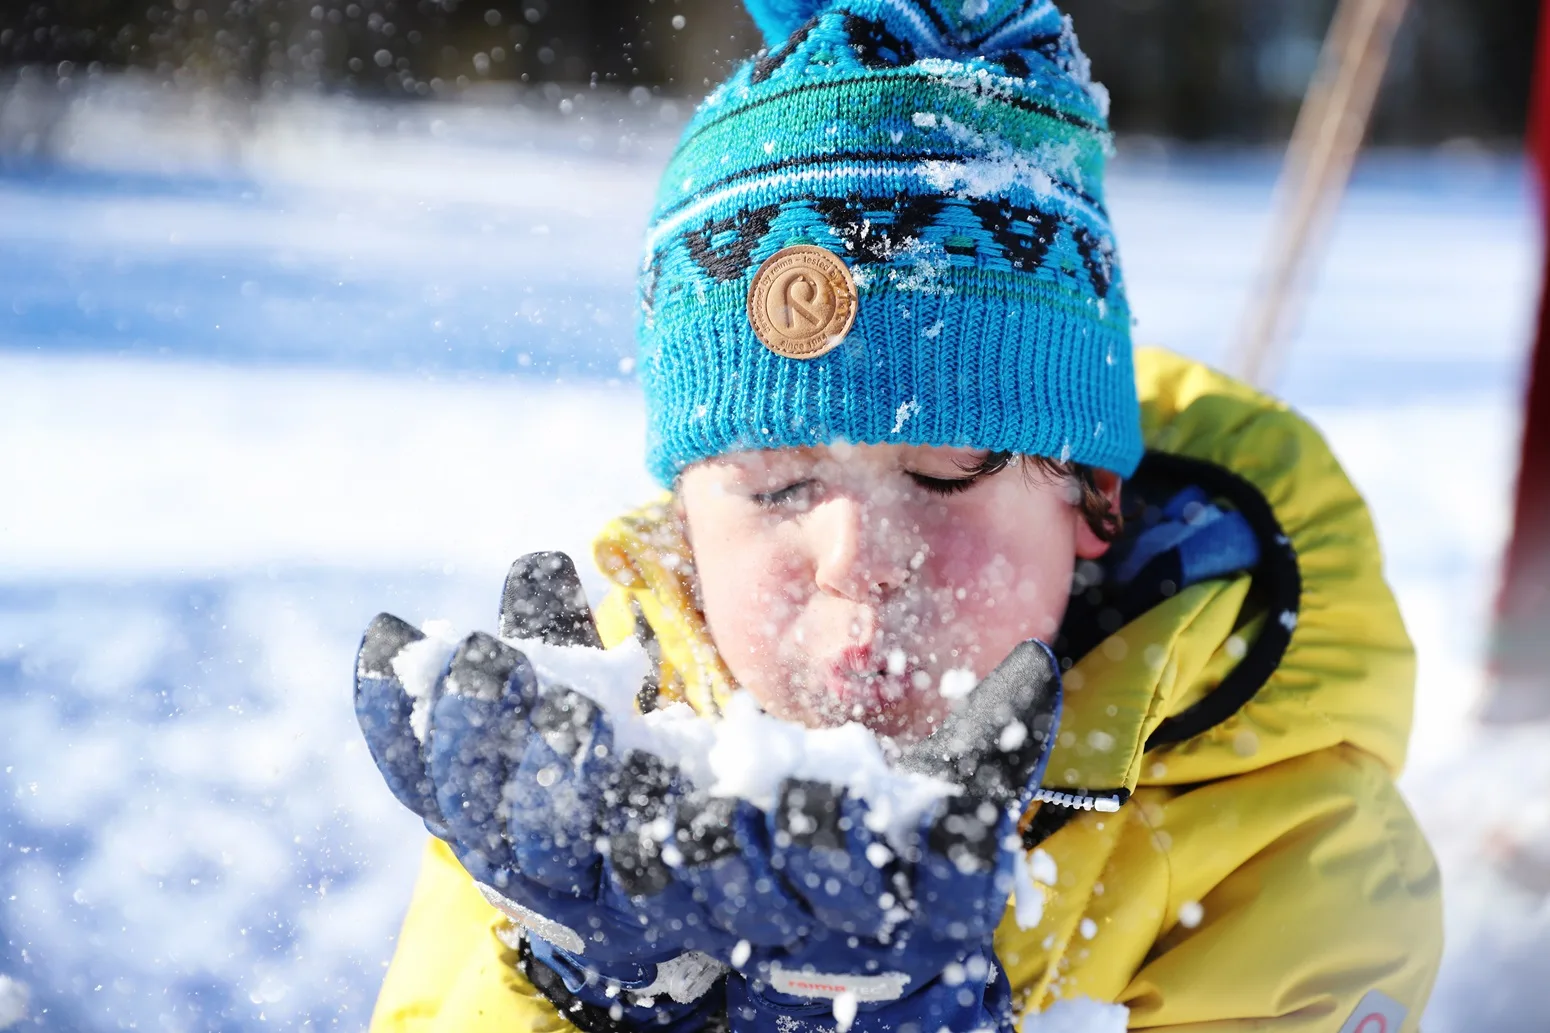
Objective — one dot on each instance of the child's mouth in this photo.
(862, 686)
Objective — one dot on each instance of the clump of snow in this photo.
(957, 683)
(904, 413)
(744, 753)
(751, 754)
(1078, 1015)
(1191, 913)
(1000, 166)
(1101, 100)
(1077, 63)
(419, 664)
(609, 677)
(1031, 872)
(845, 1010)
(917, 266)
(985, 177)
(1042, 865)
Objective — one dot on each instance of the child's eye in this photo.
(945, 485)
(791, 495)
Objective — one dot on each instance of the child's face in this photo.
(841, 583)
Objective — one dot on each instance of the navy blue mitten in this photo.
(520, 779)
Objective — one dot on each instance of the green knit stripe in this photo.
(896, 114)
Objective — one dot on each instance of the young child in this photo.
(890, 388)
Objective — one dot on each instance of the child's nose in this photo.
(862, 548)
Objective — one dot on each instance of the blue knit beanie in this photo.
(889, 226)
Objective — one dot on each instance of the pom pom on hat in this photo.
(778, 19)
(936, 28)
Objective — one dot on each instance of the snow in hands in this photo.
(618, 839)
(746, 754)
(743, 754)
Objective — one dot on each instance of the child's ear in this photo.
(1088, 545)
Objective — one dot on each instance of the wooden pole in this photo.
(1329, 131)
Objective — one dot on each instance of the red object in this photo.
(1521, 649)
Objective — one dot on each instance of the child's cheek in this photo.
(1004, 590)
(752, 599)
(971, 564)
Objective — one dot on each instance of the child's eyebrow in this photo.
(757, 463)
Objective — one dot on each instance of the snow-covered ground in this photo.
(265, 374)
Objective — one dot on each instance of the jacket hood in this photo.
(1206, 672)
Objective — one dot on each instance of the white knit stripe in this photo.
(784, 180)
(994, 43)
(925, 32)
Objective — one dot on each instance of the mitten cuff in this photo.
(590, 1007)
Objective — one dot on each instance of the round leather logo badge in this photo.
(802, 302)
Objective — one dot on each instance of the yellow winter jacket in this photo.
(1264, 873)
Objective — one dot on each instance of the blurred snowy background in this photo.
(269, 368)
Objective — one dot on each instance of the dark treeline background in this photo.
(1193, 69)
